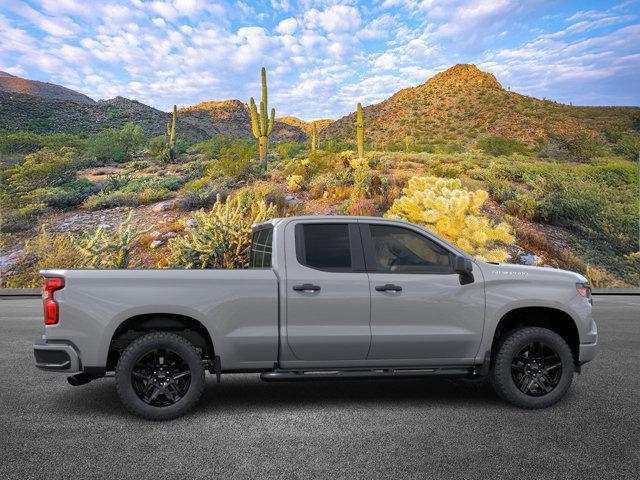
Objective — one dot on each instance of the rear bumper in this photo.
(56, 357)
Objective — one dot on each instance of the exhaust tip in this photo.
(79, 379)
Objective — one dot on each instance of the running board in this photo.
(357, 374)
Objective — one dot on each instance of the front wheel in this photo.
(533, 368)
(160, 376)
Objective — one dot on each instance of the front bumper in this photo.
(588, 352)
(56, 357)
(590, 347)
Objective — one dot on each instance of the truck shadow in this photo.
(232, 393)
(238, 392)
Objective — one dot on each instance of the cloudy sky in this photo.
(322, 56)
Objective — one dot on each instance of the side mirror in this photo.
(463, 267)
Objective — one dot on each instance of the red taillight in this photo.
(50, 305)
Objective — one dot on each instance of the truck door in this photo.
(328, 299)
(420, 311)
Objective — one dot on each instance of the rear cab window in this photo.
(261, 247)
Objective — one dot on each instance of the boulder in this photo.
(163, 206)
(531, 259)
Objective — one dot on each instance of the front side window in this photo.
(400, 250)
(325, 246)
(261, 248)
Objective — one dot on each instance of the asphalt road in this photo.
(244, 428)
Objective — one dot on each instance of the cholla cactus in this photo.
(453, 212)
(295, 182)
(104, 248)
(221, 237)
(261, 126)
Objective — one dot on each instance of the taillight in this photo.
(51, 314)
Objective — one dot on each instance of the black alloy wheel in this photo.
(536, 369)
(161, 377)
(532, 367)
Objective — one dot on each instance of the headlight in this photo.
(584, 290)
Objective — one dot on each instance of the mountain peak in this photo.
(5, 74)
(464, 75)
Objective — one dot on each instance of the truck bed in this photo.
(238, 307)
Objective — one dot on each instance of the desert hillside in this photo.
(463, 103)
(45, 108)
(506, 177)
(11, 84)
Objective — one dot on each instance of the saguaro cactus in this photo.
(171, 136)
(260, 124)
(360, 132)
(314, 141)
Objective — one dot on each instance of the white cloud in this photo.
(335, 19)
(159, 22)
(287, 26)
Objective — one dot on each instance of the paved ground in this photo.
(245, 428)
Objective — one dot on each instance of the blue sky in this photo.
(322, 56)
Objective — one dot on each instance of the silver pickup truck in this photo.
(324, 298)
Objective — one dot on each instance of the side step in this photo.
(361, 374)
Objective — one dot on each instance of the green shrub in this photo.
(233, 160)
(123, 198)
(22, 218)
(523, 206)
(43, 169)
(110, 200)
(581, 146)
(498, 146)
(46, 250)
(68, 195)
(157, 145)
(447, 170)
(629, 146)
(289, 150)
(188, 200)
(211, 148)
(116, 145)
(27, 142)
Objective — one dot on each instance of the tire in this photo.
(160, 376)
(533, 368)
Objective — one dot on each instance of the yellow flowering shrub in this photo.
(295, 182)
(453, 212)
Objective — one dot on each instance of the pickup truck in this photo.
(324, 298)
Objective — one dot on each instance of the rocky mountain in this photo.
(464, 103)
(16, 85)
(305, 126)
(48, 108)
(232, 117)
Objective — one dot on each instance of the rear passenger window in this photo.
(325, 246)
(261, 248)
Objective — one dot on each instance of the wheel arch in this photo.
(135, 326)
(554, 319)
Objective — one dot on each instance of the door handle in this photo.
(389, 287)
(306, 287)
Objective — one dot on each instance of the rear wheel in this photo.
(533, 367)
(160, 376)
